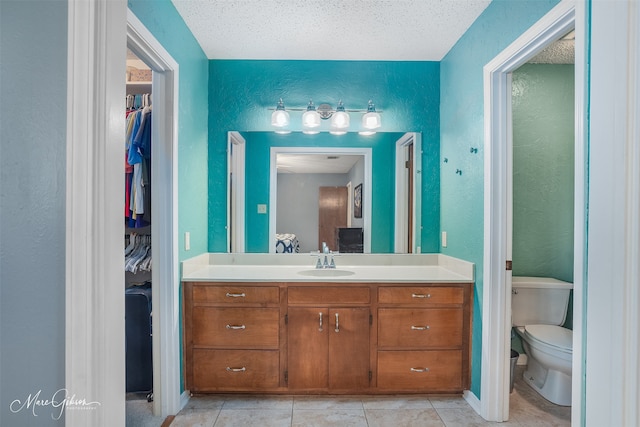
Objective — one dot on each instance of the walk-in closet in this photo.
(137, 238)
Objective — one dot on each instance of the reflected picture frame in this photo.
(357, 201)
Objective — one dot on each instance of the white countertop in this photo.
(370, 268)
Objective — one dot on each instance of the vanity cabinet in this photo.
(328, 345)
(304, 337)
(232, 337)
(423, 338)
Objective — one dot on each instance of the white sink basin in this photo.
(326, 272)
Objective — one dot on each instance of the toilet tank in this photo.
(539, 301)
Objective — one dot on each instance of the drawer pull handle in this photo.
(231, 295)
(320, 327)
(420, 328)
(337, 323)
(420, 295)
(419, 369)
(229, 369)
(236, 327)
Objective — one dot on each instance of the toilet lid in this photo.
(556, 336)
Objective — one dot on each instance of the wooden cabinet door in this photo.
(349, 348)
(308, 333)
(332, 353)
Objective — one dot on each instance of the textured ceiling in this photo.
(391, 30)
(315, 163)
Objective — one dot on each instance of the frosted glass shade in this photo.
(371, 120)
(280, 118)
(340, 120)
(310, 119)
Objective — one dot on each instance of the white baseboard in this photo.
(472, 400)
(184, 398)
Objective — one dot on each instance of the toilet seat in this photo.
(551, 335)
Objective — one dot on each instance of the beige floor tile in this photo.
(466, 417)
(253, 417)
(195, 418)
(396, 402)
(282, 403)
(449, 402)
(206, 402)
(403, 418)
(327, 402)
(329, 418)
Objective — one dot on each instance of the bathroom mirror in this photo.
(383, 176)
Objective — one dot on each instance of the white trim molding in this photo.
(496, 309)
(613, 296)
(164, 206)
(401, 197)
(94, 320)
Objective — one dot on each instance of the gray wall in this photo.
(297, 210)
(33, 90)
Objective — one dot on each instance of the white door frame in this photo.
(165, 280)
(94, 323)
(236, 148)
(94, 229)
(401, 196)
(496, 310)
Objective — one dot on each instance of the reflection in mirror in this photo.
(269, 199)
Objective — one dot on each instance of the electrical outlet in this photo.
(262, 209)
(187, 241)
(444, 239)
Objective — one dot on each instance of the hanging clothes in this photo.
(137, 161)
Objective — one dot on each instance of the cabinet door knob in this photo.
(235, 327)
(337, 323)
(419, 369)
(420, 295)
(420, 328)
(232, 295)
(229, 369)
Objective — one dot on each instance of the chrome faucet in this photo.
(325, 258)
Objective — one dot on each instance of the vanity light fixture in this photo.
(340, 120)
(312, 118)
(280, 118)
(371, 120)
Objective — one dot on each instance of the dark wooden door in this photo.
(332, 214)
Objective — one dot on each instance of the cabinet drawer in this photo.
(329, 295)
(234, 369)
(422, 295)
(235, 327)
(419, 327)
(236, 295)
(439, 370)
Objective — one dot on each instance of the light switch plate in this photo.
(262, 209)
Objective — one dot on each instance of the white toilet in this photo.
(538, 308)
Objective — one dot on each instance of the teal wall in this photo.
(462, 128)
(242, 92)
(258, 145)
(163, 21)
(543, 169)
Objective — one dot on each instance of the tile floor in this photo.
(527, 409)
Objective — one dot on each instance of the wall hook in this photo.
(474, 150)
(446, 160)
(458, 171)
